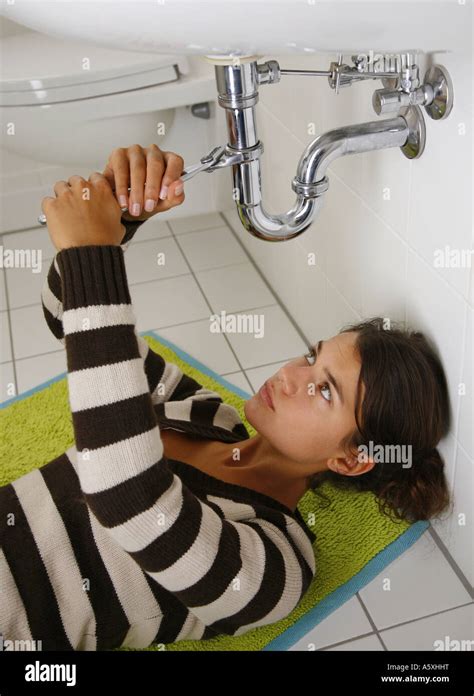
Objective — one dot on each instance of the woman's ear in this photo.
(350, 466)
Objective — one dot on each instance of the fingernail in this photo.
(136, 209)
(163, 192)
(179, 190)
(149, 205)
(123, 201)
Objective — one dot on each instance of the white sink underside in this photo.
(251, 27)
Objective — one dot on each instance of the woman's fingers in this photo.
(60, 186)
(171, 179)
(138, 167)
(155, 167)
(117, 173)
(153, 176)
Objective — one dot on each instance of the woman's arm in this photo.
(160, 373)
(233, 575)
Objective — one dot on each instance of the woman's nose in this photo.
(288, 378)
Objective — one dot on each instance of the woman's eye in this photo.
(310, 356)
(325, 386)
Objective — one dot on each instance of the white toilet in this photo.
(72, 102)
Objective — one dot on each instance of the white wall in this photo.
(375, 256)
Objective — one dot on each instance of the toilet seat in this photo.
(39, 69)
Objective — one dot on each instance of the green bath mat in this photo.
(354, 542)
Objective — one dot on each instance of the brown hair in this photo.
(406, 402)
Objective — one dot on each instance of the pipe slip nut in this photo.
(312, 190)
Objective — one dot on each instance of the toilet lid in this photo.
(39, 69)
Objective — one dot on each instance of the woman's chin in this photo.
(254, 409)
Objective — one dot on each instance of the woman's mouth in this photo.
(265, 395)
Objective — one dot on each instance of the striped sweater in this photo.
(112, 543)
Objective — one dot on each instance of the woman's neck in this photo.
(265, 470)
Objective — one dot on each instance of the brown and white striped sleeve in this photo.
(233, 574)
(166, 381)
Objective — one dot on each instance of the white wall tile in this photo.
(339, 311)
(457, 530)
(465, 430)
(439, 312)
(440, 204)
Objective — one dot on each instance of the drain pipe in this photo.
(237, 86)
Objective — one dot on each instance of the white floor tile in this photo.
(31, 334)
(280, 341)
(3, 295)
(154, 228)
(434, 632)
(211, 248)
(5, 347)
(239, 379)
(34, 238)
(153, 260)
(196, 222)
(421, 582)
(24, 286)
(368, 643)
(34, 371)
(234, 288)
(7, 381)
(346, 622)
(209, 348)
(167, 302)
(258, 375)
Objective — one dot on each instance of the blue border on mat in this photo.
(181, 353)
(335, 599)
(343, 593)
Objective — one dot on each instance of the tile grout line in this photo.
(349, 640)
(371, 620)
(454, 566)
(7, 299)
(275, 294)
(426, 616)
(211, 309)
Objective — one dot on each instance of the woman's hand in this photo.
(84, 212)
(153, 178)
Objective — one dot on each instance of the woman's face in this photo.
(309, 417)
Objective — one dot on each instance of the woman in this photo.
(154, 526)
